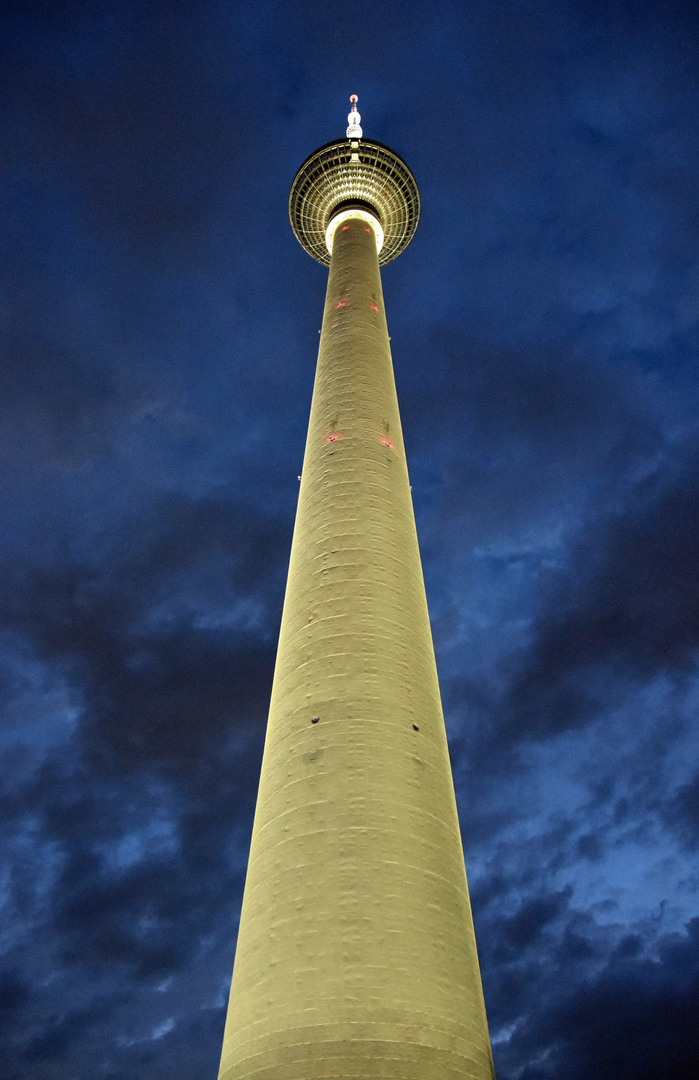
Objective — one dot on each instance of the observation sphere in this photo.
(354, 173)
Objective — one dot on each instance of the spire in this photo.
(354, 131)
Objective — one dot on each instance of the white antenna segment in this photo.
(354, 131)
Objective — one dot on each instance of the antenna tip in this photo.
(354, 130)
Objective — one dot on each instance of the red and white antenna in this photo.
(354, 131)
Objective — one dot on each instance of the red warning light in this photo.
(332, 438)
(342, 303)
(367, 229)
(373, 307)
(388, 443)
(344, 228)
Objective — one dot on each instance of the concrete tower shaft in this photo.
(356, 954)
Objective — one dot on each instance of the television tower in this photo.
(356, 955)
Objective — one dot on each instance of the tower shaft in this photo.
(356, 955)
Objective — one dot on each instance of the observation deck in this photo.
(353, 173)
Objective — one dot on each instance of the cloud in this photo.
(523, 930)
(636, 1020)
(682, 812)
(623, 610)
(14, 994)
(132, 830)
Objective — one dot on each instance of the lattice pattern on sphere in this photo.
(330, 177)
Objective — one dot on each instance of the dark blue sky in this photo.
(159, 330)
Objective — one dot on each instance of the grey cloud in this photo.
(523, 930)
(139, 821)
(682, 812)
(626, 608)
(635, 1020)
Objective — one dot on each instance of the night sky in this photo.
(159, 331)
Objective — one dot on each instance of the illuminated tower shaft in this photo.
(356, 955)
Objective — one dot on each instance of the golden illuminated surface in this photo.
(356, 954)
(362, 172)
